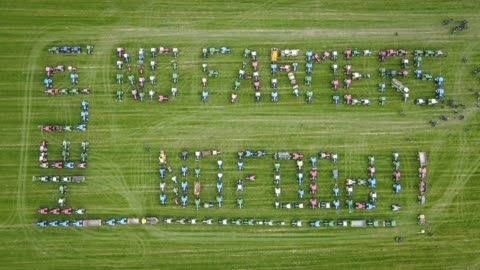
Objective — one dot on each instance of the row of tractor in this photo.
(311, 56)
(383, 72)
(417, 52)
(70, 50)
(397, 175)
(154, 52)
(59, 128)
(206, 52)
(59, 179)
(98, 222)
(58, 211)
(221, 221)
(67, 91)
(349, 223)
(140, 95)
(422, 175)
(383, 55)
(256, 79)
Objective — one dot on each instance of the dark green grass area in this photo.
(125, 137)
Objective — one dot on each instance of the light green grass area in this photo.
(122, 178)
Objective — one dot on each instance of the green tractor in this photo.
(73, 92)
(90, 49)
(236, 221)
(382, 71)
(277, 164)
(119, 95)
(119, 78)
(382, 87)
(383, 101)
(418, 61)
(214, 50)
(427, 77)
(175, 77)
(197, 203)
(350, 206)
(240, 203)
(309, 95)
(329, 223)
(54, 50)
(219, 200)
(249, 221)
(418, 53)
(308, 80)
(429, 53)
(213, 73)
(357, 52)
(246, 53)
(236, 85)
(131, 79)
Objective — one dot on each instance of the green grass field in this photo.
(122, 178)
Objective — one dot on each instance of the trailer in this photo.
(399, 86)
(282, 156)
(92, 223)
(422, 158)
(73, 179)
(335, 174)
(150, 220)
(358, 223)
(211, 153)
(133, 221)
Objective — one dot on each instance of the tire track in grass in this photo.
(461, 175)
(135, 183)
(25, 131)
(459, 196)
(406, 168)
(119, 182)
(460, 70)
(107, 45)
(19, 214)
